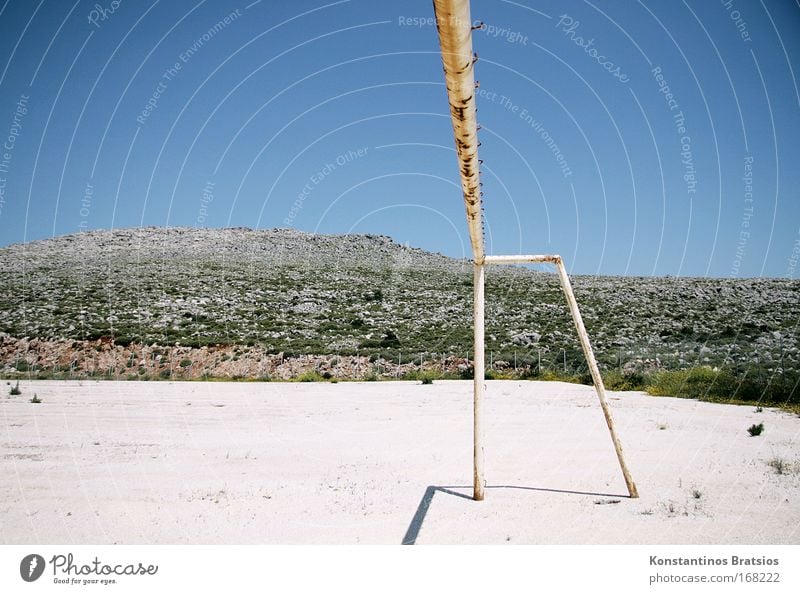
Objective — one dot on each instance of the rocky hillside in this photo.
(286, 293)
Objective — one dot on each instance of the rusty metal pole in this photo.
(454, 25)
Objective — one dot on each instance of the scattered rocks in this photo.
(90, 301)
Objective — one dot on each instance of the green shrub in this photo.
(755, 430)
(15, 391)
(310, 376)
(36, 399)
(531, 372)
(623, 382)
(389, 341)
(185, 362)
(702, 383)
(744, 385)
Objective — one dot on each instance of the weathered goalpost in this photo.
(455, 38)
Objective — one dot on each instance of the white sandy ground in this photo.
(192, 462)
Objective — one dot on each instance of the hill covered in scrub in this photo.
(287, 293)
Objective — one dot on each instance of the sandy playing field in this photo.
(389, 462)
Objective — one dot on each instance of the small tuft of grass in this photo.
(759, 409)
(15, 391)
(755, 430)
(780, 465)
(606, 501)
(697, 493)
(427, 380)
(35, 400)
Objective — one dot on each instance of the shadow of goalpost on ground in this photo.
(412, 533)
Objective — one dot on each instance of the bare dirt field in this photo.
(386, 462)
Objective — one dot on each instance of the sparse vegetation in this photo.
(620, 382)
(35, 400)
(310, 376)
(755, 430)
(780, 465)
(717, 385)
(15, 391)
(306, 294)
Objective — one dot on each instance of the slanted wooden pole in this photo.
(478, 381)
(596, 377)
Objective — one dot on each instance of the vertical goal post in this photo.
(454, 26)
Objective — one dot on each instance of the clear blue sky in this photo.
(333, 117)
